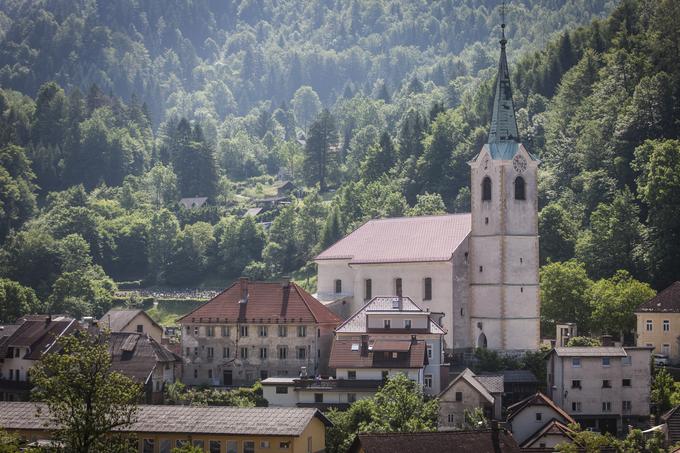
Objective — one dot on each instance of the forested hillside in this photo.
(112, 111)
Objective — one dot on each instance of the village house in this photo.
(606, 388)
(146, 361)
(658, 323)
(476, 273)
(388, 336)
(22, 345)
(135, 320)
(467, 392)
(159, 429)
(193, 202)
(538, 423)
(254, 330)
(321, 393)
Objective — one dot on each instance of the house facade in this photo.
(658, 323)
(159, 429)
(537, 422)
(605, 388)
(254, 330)
(476, 273)
(131, 321)
(318, 393)
(468, 392)
(386, 337)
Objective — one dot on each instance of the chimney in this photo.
(607, 340)
(285, 282)
(243, 283)
(495, 438)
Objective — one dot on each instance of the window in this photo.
(539, 416)
(626, 361)
(188, 352)
(195, 373)
(195, 351)
(196, 330)
(606, 384)
(211, 352)
(605, 361)
(166, 445)
(244, 353)
(244, 331)
(459, 396)
(232, 446)
(428, 289)
(302, 331)
(486, 189)
(407, 323)
(338, 286)
(576, 406)
(576, 384)
(301, 353)
(140, 328)
(147, 446)
(210, 331)
(649, 325)
(666, 325)
(576, 362)
(351, 397)
(665, 349)
(429, 351)
(181, 443)
(264, 444)
(215, 446)
(248, 446)
(387, 323)
(351, 375)
(282, 352)
(520, 188)
(606, 406)
(427, 381)
(283, 331)
(626, 406)
(284, 445)
(263, 331)
(199, 444)
(225, 353)
(368, 289)
(281, 390)
(263, 353)
(452, 418)
(625, 382)
(225, 333)
(318, 397)
(384, 374)
(397, 287)
(309, 445)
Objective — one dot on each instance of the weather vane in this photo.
(503, 22)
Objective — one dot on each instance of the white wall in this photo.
(524, 424)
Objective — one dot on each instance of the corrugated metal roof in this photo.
(402, 240)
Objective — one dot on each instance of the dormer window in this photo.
(486, 189)
(520, 188)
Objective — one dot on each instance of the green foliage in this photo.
(583, 341)
(86, 400)
(319, 158)
(663, 388)
(428, 204)
(474, 419)
(187, 448)
(177, 393)
(16, 300)
(17, 200)
(564, 295)
(634, 442)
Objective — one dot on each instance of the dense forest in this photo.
(110, 112)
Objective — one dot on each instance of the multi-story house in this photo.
(253, 330)
(315, 392)
(537, 422)
(606, 388)
(658, 323)
(136, 320)
(22, 345)
(387, 336)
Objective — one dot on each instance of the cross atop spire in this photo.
(503, 122)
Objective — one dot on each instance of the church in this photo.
(477, 273)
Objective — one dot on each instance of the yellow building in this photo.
(658, 323)
(159, 429)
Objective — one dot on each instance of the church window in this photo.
(486, 220)
(481, 342)
(520, 261)
(481, 268)
(486, 189)
(428, 289)
(521, 289)
(397, 286)
(520, 188)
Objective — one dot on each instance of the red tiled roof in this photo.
(402, 240)
(667, 301)
(268, 302)
(344, 355)
(481, 441)
(554, 427)
(538, 399)
(39, 335)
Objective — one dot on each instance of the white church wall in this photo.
(521, 260)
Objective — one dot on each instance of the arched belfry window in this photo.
(520, 188)
(486, 189)
(481, 341)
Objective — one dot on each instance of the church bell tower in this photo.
(504, 288)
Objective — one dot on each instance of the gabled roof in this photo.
(347, 353)
(382, 304)
(468, 376)
(268, 302)
(554, 427)
(193, 202)
(402, 240)
(667, 301)
(117, 320)
(136, 355)
(538, 399)
(39, 334)
(260, 421)
(481, 441)
(493, 383)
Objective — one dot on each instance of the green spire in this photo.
(503, 122)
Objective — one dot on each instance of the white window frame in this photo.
(666, 325)
(649, 325)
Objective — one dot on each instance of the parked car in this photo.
(660, 360)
